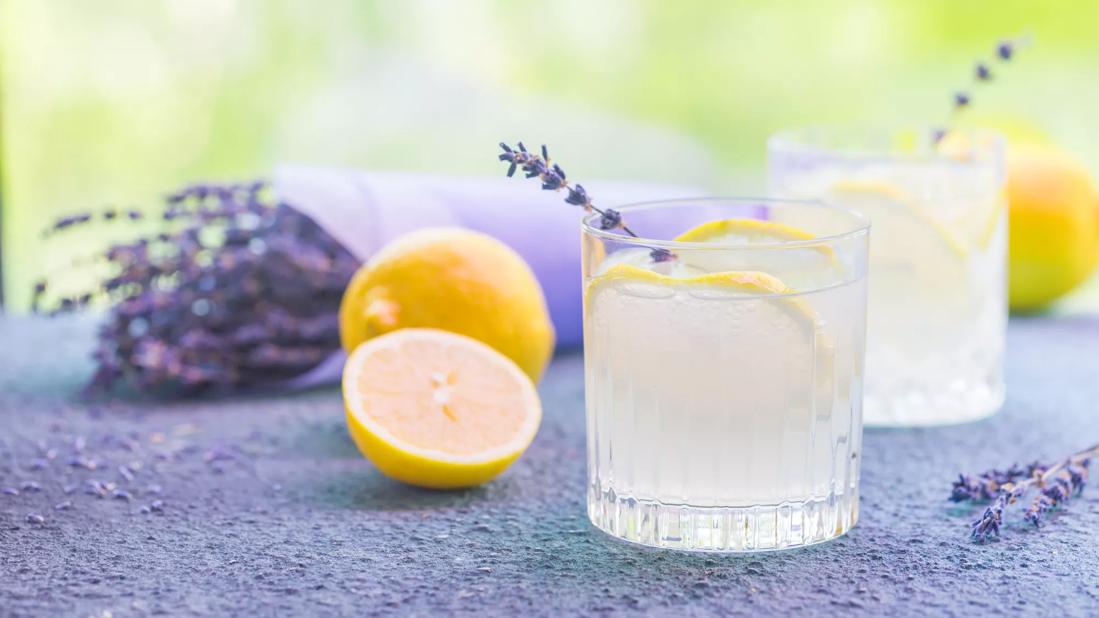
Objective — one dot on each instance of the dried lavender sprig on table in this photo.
(983, 73)
(554, 179)
(986, 486)
(240, 290)
(1056, 483)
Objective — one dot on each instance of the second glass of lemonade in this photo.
(938, 305)
(723, 361)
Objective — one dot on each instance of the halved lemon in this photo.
(437, 409)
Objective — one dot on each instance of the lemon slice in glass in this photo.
(742, 231)
(920, 266)
(633, 310)
(803, 265)
(890, 207)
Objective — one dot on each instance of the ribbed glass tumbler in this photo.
(938, 299)
(723, 359)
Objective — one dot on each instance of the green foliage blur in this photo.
(118, 101)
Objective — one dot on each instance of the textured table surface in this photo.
(266, 508)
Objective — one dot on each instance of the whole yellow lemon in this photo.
(456, 280)
(1054, 224)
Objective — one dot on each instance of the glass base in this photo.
(723, 529)
(920, 408)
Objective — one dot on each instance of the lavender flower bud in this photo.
(983, 72)
(661, 255)
(610, 219)
(553, 179)
(509, 156)
(1004, 50)
(578, 197)
(535, 167)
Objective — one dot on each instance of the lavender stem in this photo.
(1055, 483)
(554, 179)
(982, 73)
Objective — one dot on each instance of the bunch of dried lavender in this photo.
(1056, 483)
(242, 290)
(554, 179)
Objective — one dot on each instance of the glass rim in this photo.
(802, 138)
(860, 228)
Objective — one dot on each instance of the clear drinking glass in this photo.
(724, 385)
(938, 305)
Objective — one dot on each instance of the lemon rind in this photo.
(712, 231)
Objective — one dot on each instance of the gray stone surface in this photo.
(267, 509)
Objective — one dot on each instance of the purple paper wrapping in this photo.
(365, 210)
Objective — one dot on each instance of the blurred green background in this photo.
(118, 101)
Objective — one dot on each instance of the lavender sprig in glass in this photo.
(553, 178)
(983, 73)
(1055, 483)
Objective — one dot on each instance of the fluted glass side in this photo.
(937, 291)
(723, 387)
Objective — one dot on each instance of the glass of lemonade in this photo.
(938, 305)
(723, 357)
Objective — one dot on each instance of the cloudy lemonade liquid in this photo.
(722, 415)
(937, 310)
